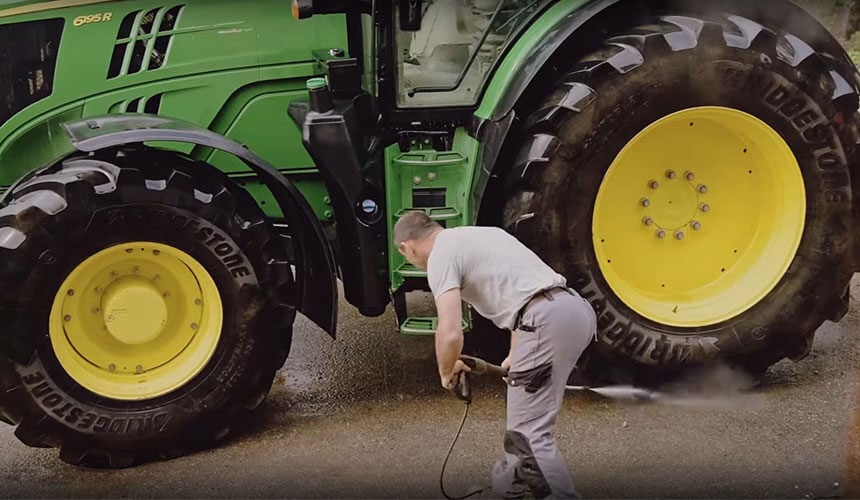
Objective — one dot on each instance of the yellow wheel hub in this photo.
(699, 216)
(134, 310)
(136, 321)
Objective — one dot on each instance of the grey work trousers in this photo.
(555, 329)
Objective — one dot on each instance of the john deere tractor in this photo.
(181, 177)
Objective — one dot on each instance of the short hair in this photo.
(414, 225)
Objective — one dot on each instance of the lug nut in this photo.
(690, 176)
(135, 269)
(645, 202)
(648, 221)
(703, 188)
(696, 225)
(194, 326)
(653, 184)
(431, 176)
(705, 207)
(679, 235)
(156, 252)
(198, 302)
(661, 234)
(96, 310)
(71, 293)
(98, 289)
(128, 250)
(416, 180)
(156, 277)
(112, 367)
(67, 318)
(138, 369)
(670, 174)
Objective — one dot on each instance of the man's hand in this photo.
(506, 364)
(450, 379)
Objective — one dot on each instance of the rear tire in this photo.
(67, 214)
(679, 63)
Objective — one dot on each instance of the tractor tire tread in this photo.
(572, 101)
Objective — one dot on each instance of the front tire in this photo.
(663, 293)
(143, 297)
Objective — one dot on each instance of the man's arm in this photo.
(449, 336)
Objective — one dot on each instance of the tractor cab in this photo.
(427, 53)
(445, 55)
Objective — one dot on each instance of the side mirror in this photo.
(410, 15)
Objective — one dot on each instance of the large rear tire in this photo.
(691, 179)
(143, 298)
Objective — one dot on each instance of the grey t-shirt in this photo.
(495, 273)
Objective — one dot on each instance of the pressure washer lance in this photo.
(619, 392)
(716, 402)
(463, 390)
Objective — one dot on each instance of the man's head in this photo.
(414, 235)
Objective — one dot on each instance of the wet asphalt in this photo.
(363, 416)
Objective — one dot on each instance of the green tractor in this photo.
(181, 177)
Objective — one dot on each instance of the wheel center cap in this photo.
(673, 204)
(134, 310)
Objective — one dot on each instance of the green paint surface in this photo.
(232, 67)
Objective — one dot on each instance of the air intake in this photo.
(151, 105)
(144, 40)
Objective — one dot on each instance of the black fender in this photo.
(315, 264)
(587, 25)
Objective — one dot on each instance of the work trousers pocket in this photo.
(530, 394)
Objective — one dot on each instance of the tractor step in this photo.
(419, 326)
(435, 213)
(407, 270)
(429, 158)
(424, 326)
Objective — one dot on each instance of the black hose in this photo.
(448, 456)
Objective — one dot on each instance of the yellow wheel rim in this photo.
(699, 216)
(136, 321)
